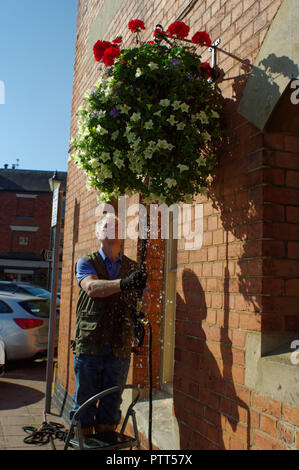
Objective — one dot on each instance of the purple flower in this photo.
(174, 62)
(114, 112)
(192, 77)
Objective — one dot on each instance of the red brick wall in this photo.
(12, 208)
(244, 279)
(281, 228)
(222, 288)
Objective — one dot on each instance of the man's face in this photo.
(109, 232)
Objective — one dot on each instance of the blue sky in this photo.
(37, 50)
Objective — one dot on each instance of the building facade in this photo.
(224, 315)
(25, 224)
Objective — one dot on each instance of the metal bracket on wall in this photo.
(214, 48)
(217, 74)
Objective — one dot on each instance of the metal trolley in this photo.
(106, 440)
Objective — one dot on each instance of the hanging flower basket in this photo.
(150, 122)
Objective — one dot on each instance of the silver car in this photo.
(2, 357)
(24, 323)
(16, 287)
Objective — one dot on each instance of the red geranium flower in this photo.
(179, 29)
(110, 54)
(203, 38)
(159, 30)
(136, 25)
(117, 40)
(205, 67)
(99, 49)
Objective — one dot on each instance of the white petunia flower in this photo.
(94, 163)
(86, 95)
(206, 136)
(136, 143)
(103, 173)
(138, 72)
(105, 156)
(200, 161)
(148, 153)
(162, 144)
(148, 124)
(152, 144)
(117, 153)
(101, 197)
(170, 182)
(124, 108)
(203, 117)
(101, 130)
(135, 117)
(153, 66)
(172, 120)
(185, 107)
(107, 90)
(183, 168)
(119, 163)
(165, 102)
(130, 137)
(117, 159)
(180, 126)
(176, 104)
(107, 174)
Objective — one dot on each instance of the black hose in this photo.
(150, 386)
(46, 433)
(142, 321)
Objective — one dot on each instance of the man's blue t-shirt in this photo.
(84, 268)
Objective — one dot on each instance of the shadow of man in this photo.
(219, 409)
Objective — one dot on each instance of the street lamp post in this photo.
(55, 186)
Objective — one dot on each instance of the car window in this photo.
(4, 308)
(37, 291)
(38, 308)
(7, 287)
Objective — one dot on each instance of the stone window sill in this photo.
(165, 434)
(276, 373)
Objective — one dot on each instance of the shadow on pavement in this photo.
(15, 396)
(15, 389)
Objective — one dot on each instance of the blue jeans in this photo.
(93, 374)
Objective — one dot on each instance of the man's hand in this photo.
(136, 281)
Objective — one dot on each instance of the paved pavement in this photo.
(22, 402)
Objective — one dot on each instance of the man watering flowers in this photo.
(108, 284)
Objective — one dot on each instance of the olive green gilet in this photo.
(100, 321)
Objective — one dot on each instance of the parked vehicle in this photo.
(26, 288)
(24, 324)
(2, 357)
